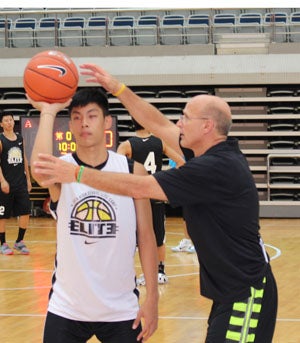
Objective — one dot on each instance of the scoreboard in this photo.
(63, 140)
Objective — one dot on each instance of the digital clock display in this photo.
(63, 140)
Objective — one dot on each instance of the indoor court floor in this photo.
(25, 283)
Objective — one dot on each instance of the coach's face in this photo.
(88, 125)
(193, 125)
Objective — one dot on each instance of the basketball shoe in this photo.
(185, 245)
(5, 249)
(161, 278)
(21, 247)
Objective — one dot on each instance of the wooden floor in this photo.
(25, 282)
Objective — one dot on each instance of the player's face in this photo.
(88, 125)
(7, 123)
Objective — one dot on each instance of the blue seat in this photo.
(249, 23)
(172, 30)
(22, 33)
(294, 27)
(121, 30)
(146, 30)
(224, 18)
(46, 32)
(276, 25)
(148, 20)
(197, 28)
(5, 23)
(95, 31)
(222, 24)
(123, 21)
(71, 31)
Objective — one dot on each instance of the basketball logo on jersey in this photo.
(93, 217)
(15, 156)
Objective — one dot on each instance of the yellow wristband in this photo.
(120, 91)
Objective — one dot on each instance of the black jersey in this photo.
(148, 151)
(220, 202)
(12, 161)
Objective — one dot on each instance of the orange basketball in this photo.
(50, 76)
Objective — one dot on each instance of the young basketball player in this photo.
(15, 184)
(94, 289)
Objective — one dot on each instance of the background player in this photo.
(15, 184)
(150, 150)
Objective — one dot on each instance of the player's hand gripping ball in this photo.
(50, 76)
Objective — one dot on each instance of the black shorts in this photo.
(158, 219)
(63, 330)
(16, 203)
(249, 320)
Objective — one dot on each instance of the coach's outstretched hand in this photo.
(98, 75)
(55, 169)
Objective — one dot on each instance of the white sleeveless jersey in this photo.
(94, 276)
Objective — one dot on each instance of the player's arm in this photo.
(144, 112)
(44, 138)
(3, 183)
(125, 149)
(173, 155)
(26, 168)
(148, 257)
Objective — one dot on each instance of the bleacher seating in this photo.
(71, 31)
(121, 30)
(222, 24)
(22, 33)
(197, 29)
(294, 27)
(13, 95)
(146, 30)
(199, 26)
(249, 23)
(275, 24)
(46, 32)
(172, 30)
(170, 93)
(95, 31)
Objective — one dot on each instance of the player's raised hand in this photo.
(46, 107)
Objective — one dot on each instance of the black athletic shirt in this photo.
(12, 161)
(147, 151)
(221, 206)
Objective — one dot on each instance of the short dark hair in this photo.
(86, 96)
(136, 126)
(4, 114)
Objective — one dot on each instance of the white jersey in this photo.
(94, 277)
